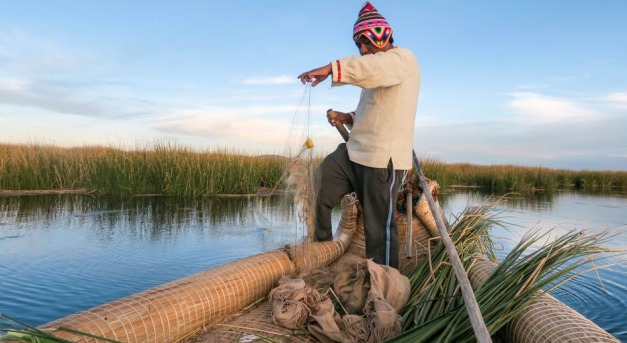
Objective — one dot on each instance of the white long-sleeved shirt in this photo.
(383, 125)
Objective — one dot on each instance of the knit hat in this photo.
(371, 24)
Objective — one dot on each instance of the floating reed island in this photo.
(231, 303)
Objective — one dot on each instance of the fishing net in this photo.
(351, 286)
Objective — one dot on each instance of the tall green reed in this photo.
(169, 169)
(511, 178)
(159, 169)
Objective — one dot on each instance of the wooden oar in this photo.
(476, 319)
(339, 126)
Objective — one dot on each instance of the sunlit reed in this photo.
(159, 169)
(170, 169)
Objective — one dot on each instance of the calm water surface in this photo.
(63, 254)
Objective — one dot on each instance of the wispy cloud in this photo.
(616, 100)
(538, 108)
(276, 80)
(28, 53)
(69, 97)
(250, 123)
(40, 95)
(570, 144)
(261, 127)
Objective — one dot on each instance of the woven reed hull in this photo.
(547, 320)
(179, 309)
(256, 325)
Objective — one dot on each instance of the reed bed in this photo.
(164, 169)
(501, 179)
(169, 169)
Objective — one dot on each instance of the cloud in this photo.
(248, 124)
(267, 128)
(44, 74)
(538, 108)
(277, 80)
(44, 96)
(28, 53)
(69, 97)
(595, 145)
(616, 100)
(13, 85)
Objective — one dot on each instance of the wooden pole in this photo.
(476, 319)
(409, 206)
(339, 126)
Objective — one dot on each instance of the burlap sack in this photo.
(356, 328)
(288, 289)
(295, 304)
(325, 325)
(288, 303)
(290, 314)
(383, 319)
(389, 284)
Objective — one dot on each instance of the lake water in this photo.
(60, 254)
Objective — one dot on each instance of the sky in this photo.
(532, 83)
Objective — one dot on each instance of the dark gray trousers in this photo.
(377, 190)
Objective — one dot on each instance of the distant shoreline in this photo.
(263, 191)
(4, 192)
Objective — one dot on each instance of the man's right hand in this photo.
(340, 117)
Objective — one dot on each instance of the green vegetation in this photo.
(159, 169)
(13, 330)
(501, 179)
(168, 169)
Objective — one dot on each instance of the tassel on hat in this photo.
(373, 25)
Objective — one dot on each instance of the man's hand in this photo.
(316, 76)
(340, 117)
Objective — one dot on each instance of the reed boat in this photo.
(229, 303)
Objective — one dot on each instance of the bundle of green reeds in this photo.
(13, 330)
(435, 312)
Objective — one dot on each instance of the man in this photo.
(379, 150)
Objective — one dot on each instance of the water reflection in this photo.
(538, 201)
(64, 253)
(146, 217)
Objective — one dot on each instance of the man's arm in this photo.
(316, 76)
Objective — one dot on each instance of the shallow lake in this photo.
(60, 254)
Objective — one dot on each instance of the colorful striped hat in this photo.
(371, 24)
